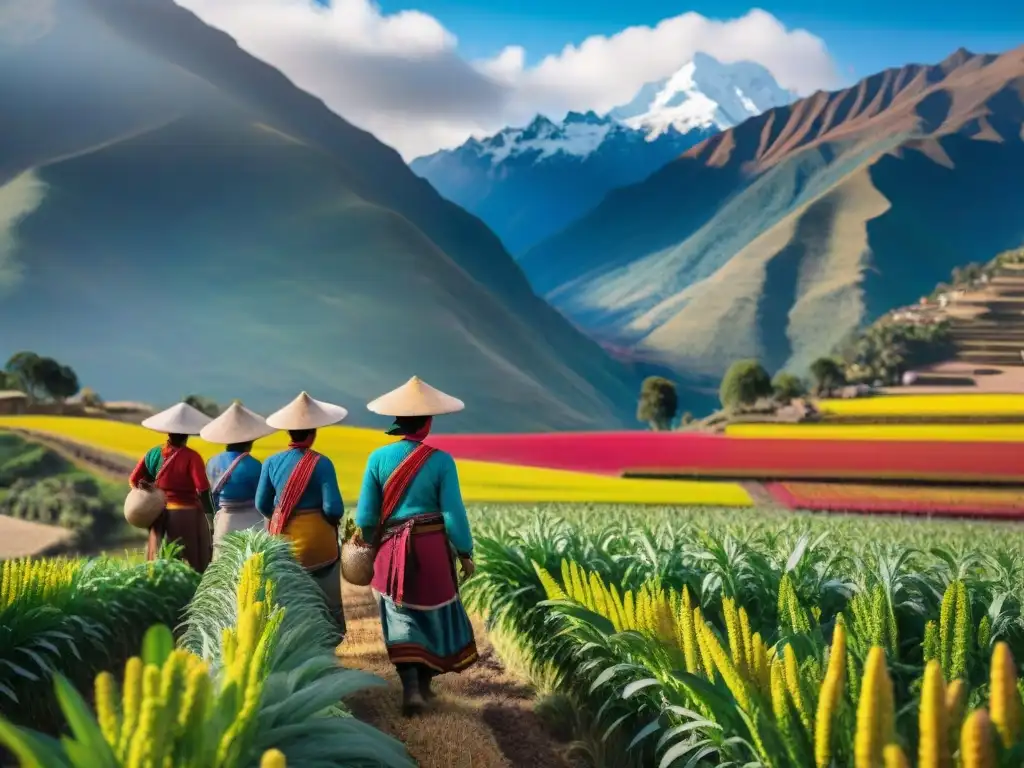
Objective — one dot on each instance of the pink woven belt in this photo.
(403, 533)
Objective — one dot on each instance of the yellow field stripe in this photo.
(953, 433)
(988, 404)
(348, 448)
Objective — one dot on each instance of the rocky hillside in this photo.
(777, 238)
(177, 216)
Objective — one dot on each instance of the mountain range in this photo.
(779, 237)
(176, 216)
(529, 183)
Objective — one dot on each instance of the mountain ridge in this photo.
(629, 271)
(529, 182)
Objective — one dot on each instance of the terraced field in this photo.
(987, 327)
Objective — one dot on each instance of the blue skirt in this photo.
(440, 638)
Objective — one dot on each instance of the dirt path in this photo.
(482, 718)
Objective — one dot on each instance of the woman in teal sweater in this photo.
(410, 504)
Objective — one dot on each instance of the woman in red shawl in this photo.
(180, 473)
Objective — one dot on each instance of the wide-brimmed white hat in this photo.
(180, 419)
(236, 425)
(306, 413)
(415, 398)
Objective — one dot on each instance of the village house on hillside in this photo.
(13, 402)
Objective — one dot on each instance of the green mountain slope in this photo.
(176, 216)
(778, 238)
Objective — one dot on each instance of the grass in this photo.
(348, 448)
(898, 404)
(669, 626)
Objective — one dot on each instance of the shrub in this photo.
(887, 350)
(658, 404)
(74, 502)
(827, 374)
(204, 405)
(744, 384)
(90, 398)
(787, 386)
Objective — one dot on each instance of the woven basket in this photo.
(357, 563)
(142, 506)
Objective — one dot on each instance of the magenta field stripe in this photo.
(717, 455)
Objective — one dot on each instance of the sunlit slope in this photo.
(777, 238)
(348, 448)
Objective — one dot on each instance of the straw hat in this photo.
(180, 419)
(236, 425)
(415, 398)
(306, 413)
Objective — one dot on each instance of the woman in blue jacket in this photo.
(234, 473)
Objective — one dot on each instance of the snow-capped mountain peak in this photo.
(704, 94)
(529, 182)
(578, 134)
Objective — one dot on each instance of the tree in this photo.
(658, 403)
(23, 369)
(787, 386)
(204, 405)
(59, 381)
(828, 375)
(744, 383)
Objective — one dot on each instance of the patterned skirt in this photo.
(421, 615)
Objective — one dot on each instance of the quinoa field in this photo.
(623, 622)
(694, 637)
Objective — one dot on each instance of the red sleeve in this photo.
(197, 469)
(139, 473)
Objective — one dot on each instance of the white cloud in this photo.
(400, 75)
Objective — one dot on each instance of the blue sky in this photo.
(402, 77)
(864, 36)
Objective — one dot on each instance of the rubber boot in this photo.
(412, 699)
(426, 675)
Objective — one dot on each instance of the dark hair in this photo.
(298, 435)
(408, 425)
(240, 447)
(177, 440)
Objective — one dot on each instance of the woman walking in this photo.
(178, 471)
(235, 473)
(298, 492)
(411, 506)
